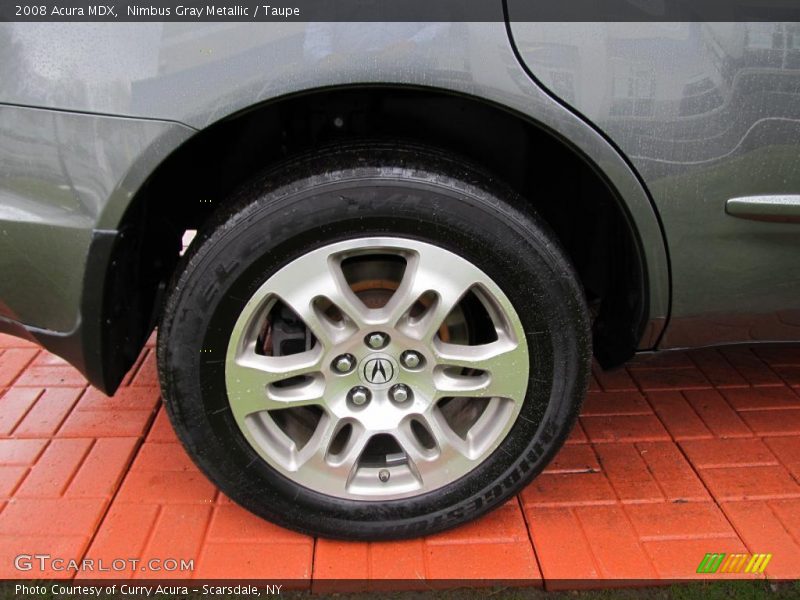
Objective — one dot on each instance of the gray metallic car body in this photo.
(89, 111)
(705, 112)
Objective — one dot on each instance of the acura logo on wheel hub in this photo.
(378, 370)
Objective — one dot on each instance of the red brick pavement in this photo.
(674, 456)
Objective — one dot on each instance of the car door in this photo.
(706, 113)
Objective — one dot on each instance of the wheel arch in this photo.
(599, 209)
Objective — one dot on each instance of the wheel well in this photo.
(562, 186)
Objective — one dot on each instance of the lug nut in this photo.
(344, 363)
(411, 359)
(400, 393)
(377, 340)
(359, 395)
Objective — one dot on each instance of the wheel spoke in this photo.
(322, 279)
(419, 456)
(335, 288)
(449, 446)
(448, 284)
(251, 380)
(340, 467)
(497, 364)
(407, 293)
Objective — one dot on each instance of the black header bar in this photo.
(399, 10)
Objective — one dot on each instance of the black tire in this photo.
(354, 191)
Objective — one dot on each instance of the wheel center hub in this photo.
(378, 370)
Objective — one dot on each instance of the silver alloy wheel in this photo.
(381, 449)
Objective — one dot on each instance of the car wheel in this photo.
(374, 342)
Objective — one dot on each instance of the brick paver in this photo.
(675, 455)
(64, 450)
